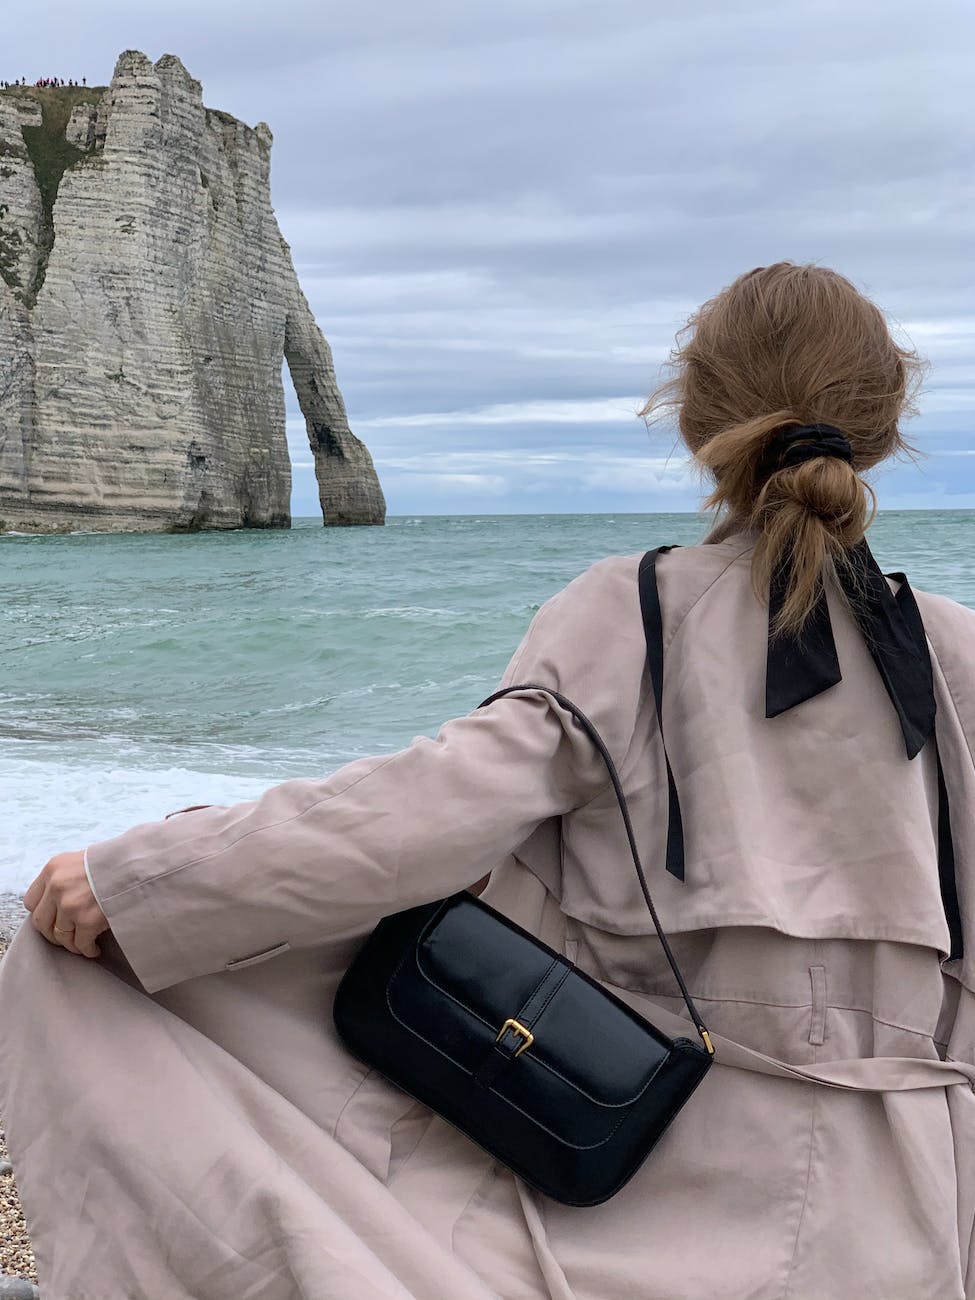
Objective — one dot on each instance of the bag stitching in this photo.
(606, 1105)
(575, 1146)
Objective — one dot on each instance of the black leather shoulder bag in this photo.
(510, 1042)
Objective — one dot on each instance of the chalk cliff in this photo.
(147, 301)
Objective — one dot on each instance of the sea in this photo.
(140, 673)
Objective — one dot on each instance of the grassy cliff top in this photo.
(71, 95)
(49, 151)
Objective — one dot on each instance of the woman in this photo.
(182, 1118)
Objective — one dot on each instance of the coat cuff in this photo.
(146, 946)
(91, 883)
(117, 873)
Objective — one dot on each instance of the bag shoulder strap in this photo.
(604, 753)
(653, 629)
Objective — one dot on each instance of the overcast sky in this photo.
(501, 212)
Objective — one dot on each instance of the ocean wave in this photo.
(155, 672)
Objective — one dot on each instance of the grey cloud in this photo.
(505, 202)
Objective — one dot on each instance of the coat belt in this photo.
(857, 1074)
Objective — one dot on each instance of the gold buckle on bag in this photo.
(518, 1028)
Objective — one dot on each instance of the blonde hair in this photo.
(782, 346)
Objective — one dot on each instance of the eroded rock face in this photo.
(21, 222)
(140, 369)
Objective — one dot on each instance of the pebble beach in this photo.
(18, 1274)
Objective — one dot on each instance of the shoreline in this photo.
(12, 915)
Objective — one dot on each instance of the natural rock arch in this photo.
(147, 301)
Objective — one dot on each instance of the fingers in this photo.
(65, 937)
(45, 918)
(84, 937)
(63, 908)
(34, 892)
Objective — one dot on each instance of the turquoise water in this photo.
(140, 673)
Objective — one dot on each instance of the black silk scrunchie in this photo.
(799, 443)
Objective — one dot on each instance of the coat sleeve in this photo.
(311, 860)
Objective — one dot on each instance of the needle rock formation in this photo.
(147, 301)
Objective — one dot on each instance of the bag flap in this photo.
(588, 1039)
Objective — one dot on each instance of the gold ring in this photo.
(60, 931)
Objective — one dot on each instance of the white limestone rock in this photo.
(21, 222)
(21, 215)
(80, 130)
(154, 346)
(28, 110)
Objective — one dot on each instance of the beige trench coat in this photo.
(184, 1123)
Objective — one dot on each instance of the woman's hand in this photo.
(63, 907)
